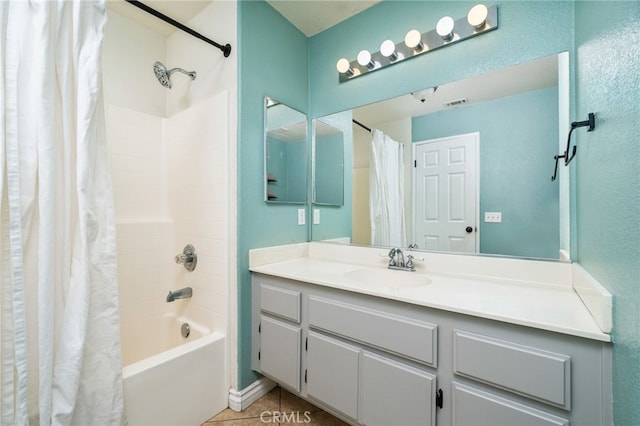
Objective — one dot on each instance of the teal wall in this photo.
(518, 139)
(277, 60)
(272, 62)
(607, 167)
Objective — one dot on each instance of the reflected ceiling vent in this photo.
(456, 102)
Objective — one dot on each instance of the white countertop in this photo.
(515, 297)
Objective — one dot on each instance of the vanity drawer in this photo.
(473, 407)
(400, 335)
(280, 301)
(538, 374)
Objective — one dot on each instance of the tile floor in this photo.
(278, 407)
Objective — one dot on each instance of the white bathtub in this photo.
(185, 385)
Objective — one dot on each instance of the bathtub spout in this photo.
(183, 293)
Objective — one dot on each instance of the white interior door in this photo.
(446, 193)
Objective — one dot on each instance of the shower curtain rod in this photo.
(361, 125)
(226, 49)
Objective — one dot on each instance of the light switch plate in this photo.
(493, 217)
(316, 216)
(301, 216)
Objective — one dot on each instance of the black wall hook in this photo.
(590, 122)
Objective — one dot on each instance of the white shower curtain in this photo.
(60, 346)
(386, 191)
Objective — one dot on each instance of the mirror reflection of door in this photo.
(446, 193)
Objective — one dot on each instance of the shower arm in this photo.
(226, 49)
(191, 74)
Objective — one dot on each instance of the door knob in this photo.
(469, 229)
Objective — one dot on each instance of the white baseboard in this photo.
(239, 400)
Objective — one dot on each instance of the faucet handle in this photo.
(188, 258)
(410, 259)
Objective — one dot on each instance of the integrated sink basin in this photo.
(387, 278)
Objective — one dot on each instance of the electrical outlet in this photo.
(316, 216)
(493, 217)
(301, 216)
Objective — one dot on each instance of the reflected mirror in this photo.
(328, 162)
(285, 147)
(475, 164)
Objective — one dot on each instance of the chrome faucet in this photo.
(396, 257)
(397, 261)
(183, 293)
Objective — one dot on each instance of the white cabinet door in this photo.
(280, 351)
(332, 373)
(393, 393)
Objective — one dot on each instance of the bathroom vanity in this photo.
(474, 347)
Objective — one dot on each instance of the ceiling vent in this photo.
(456, 102)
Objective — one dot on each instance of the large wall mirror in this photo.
(467, 166)
(328, 161)
(285, 148)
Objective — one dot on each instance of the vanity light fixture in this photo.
(364, 59)
(388, 50)
(413, 40)
(444, 28)
(344, 67)
(477, 16)
(479, 20)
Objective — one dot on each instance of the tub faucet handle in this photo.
(188, 258)
(183, 258)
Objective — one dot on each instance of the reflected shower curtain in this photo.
(60, 343)
(386, 191)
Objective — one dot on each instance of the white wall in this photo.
(173, 167)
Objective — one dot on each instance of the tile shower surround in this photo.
(169, 179)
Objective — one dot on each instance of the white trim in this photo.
(564, 175)
(241, 400)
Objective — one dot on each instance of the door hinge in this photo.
(260, 327)
(306, 343)
(439, 398)
(415, 163)
(305, 376)
(258, 355)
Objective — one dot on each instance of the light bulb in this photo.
(388, 50)
(364, 59)
(344, 67)
(413, 40)
(477, 16)
(444, 28)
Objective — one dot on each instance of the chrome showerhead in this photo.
(164, 76)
